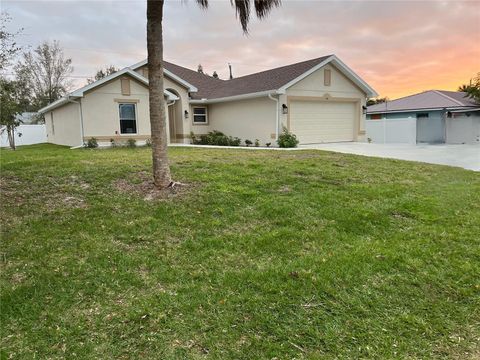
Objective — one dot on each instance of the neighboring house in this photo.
(320, 100)
(433, 116)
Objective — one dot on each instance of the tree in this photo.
(45, 73)
(158, 122)
(376, 101)
(8, 45)
(472, 89)
(11, 105)
(110, 69)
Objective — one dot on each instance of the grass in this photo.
(264, 255)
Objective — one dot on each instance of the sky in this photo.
(398, 47)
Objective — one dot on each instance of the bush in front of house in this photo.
(287, 139)
(215, 138)
(131, 143)
(92, 143)
(248, 142)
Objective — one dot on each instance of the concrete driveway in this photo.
(465, 156)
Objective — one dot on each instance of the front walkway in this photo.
(465, 156)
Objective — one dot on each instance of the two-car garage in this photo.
(323, 121)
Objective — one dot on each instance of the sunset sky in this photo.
(399, 48)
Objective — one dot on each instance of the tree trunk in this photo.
(158, 118)
(11, 136)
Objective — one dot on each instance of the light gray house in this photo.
(433, 116)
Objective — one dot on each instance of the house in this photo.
(433, 116)
(320, 100)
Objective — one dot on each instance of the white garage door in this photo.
(322, 121)
(463, 129)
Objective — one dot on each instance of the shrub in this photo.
(131, 143)
(92, 143)
(215, 138)
(287, 139)
(194, 138)
(257, 143)
(268, 144)
(148, 142)
(248, 142)
(235, 141)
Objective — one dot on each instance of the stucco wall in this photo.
(101, 117)
(340, 87)
(182, 124)
(247, 119)
(66, 127)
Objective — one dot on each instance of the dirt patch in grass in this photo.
(141, 185)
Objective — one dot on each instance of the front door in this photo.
(171, 123)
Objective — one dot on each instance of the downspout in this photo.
(277, 115)
(82, 134)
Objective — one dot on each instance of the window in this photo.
(200, 115)
(128, 119)
(376, 117)
(422, 115)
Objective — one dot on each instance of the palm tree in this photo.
(158, 123)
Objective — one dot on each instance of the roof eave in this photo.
(450, 108)
(190, 87)
(235, 97)
(79, 93)
(370, 92)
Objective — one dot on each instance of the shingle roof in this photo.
(431, 99)
(204, 83)
(211, 88)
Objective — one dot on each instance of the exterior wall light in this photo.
(186, 114)
(284, 109)
(364, 110)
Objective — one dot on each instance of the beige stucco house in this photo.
(320, 100)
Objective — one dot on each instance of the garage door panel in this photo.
(319, 121)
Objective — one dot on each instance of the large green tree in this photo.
(45, 73)
(9, 46)
(158, 120)
(12, 103)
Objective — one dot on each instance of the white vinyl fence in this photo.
(26, 135)
(394, 131)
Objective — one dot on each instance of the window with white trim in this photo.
(200, 115)
(128, 118)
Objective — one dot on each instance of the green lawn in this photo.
(263, 255)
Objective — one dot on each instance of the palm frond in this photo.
(243, 9)
(202, 3)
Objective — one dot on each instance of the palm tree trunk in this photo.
(158, 118)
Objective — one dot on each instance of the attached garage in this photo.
(463, 128)
(316, 121)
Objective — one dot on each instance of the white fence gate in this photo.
(26, 135)
(394, 131)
